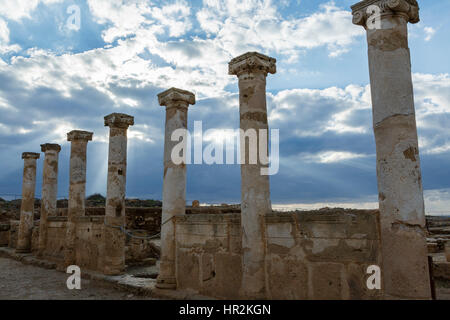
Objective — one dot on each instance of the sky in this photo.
(56, 77)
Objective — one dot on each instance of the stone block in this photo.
(326, 280)
(287, 278)
(188, 269)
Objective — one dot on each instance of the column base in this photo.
(112, 272)
(40, 253)
(166, 283)
(18, 250)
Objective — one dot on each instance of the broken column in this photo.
(77, 189)
(118, 124)
(252, 69)
(402, 215)
(49, 190)
(27, 205)
(176, 102)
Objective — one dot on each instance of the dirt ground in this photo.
(26, 282)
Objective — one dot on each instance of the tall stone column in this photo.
(176, 102)
(118, 124)
(27, 204)
(49, 190)
(252, 69)
(77, 189)
(402, 214)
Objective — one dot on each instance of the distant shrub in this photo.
(137, 203)
(96, 197)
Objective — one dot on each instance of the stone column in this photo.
(27, 204)
(252, 69)
(118, 124)
(176, 102)
(77, 189)
(402, 214)
(49, 190)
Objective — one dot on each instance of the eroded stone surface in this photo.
(27, 205)
(77, 189)
(402, 213)
(49, 190)
(176, 102)
(309, 255)
(252, 69)
(115, 197)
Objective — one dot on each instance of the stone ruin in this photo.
(254, 252)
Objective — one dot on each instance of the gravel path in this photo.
(19, 281)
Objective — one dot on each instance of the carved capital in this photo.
(252, 62)
(50, 146)
(79, 135)
(30, 155)
(363, 10)
(119, 120)
(175, 96)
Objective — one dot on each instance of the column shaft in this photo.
(402, 213)
(174, 182)
(27, 205)
(77, 190)
(252, 69)
(115, 196)
(49, 191)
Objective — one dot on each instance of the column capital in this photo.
(30, 155)
(79, 135)
(50, 146)
(252, 62)
(174, 95)
(407, 8)
(119, 120)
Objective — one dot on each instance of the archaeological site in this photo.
(246, 251)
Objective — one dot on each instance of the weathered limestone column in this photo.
(118, 124)
(402, 214)
(252, 69)
(27, 204)
(77, 189)
(49, 190)
(176, 102)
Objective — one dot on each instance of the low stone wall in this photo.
(56, 238)
(208, 257)
(309, 255)
(148, 219)
(89, 243)
(4, 234)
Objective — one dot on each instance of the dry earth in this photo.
(26, 282)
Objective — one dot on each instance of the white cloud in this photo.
(5, 47)
(313, 112)
(331, 156)
(20, 9)
(429, 33)
(127, 18)
(248, 25)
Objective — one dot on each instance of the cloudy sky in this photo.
(55, 78)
